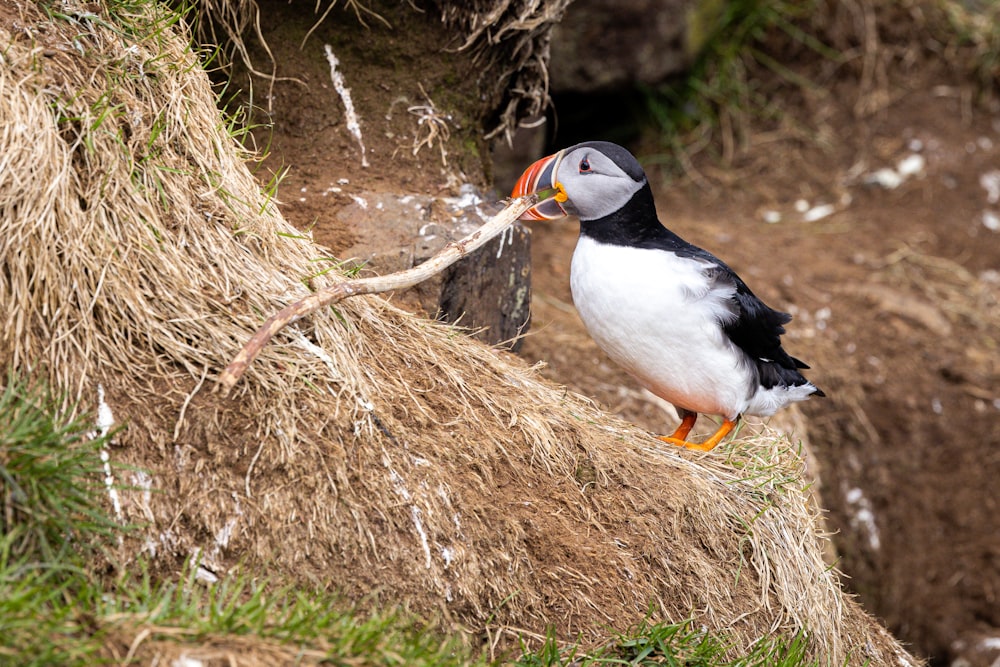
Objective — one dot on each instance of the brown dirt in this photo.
(318, 159)
(889, 295)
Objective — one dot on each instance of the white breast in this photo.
(659, 317)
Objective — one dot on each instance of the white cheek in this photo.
(595, 196)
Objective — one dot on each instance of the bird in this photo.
(672, 315)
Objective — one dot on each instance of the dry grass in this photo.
(366, 450)
(432, 125)
(152, 645)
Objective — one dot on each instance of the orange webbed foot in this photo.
(685, 428)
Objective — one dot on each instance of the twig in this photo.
(184, 407)
(447, 256)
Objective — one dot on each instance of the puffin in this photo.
(672, 315)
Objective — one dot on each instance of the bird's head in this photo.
(591, 180)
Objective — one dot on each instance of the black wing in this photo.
(756, 329)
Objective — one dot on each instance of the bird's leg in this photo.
(688, 419)
(686, 423)
(679, 437)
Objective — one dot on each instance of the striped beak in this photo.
(540, 178)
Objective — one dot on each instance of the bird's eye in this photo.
(584, 165)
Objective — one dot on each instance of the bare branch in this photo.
(447, 256)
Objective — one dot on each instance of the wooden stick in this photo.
(447, 256)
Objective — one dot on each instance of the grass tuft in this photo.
(316, 626)
(51, 477)
(675, 644)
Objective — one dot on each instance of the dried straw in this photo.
(367, 450)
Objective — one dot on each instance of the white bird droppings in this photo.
(105, 421)
(419, 525)
(505, 234)
(885, 178)
(890, 179)
(399, 486)
(466, 198)
(863, 518)
(353, 126)
(991, 221)
(185, 661)
(990, 181)
(911, 165)
(819, 212)
(105, 418)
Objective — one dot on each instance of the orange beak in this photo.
(540, 178)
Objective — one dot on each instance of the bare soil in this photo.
(895, 294)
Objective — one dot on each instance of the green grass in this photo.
(52, 492)
(676, 644)
(709, 106)
(57, 608)
(974, 28)
(318, 623)
(51, 478)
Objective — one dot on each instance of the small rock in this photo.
(991, 221)
(911, 165)
(818, 212)
(990, 181)
(885, 178)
